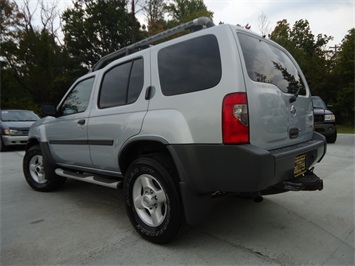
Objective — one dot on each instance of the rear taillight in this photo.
(235, 119)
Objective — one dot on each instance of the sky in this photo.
(331, 17)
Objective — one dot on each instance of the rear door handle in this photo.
(81, 122)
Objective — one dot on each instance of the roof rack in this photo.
(195, 24)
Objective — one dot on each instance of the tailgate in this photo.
(280, 108)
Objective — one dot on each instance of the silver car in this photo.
(14, 125)
(217, 111)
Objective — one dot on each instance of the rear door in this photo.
(119, 109)
(277, 117)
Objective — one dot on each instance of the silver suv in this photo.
(219, 110)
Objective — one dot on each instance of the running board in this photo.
(90, 178)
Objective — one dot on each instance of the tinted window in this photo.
(135, 81)
(122, 84)
(78, 99)
(268, 64)
(190, 66)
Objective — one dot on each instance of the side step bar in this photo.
(90, 178)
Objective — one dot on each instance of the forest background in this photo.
(39, 60)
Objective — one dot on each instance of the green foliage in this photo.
(344, 75)
(332, 78)
(94, 28)
(346, 129)
(36, 68)
(182, 11)
(154, 11)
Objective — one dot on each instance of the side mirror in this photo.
(48, 110)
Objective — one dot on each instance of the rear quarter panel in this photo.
(195, 117)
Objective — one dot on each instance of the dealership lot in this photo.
(86, 224)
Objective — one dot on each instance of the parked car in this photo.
(219, 110)
(14, 125)
(324, 119)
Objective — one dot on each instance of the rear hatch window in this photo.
(268, 64)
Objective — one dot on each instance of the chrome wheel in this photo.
(37, 169)
(149, 199)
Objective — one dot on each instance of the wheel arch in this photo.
(44, 148)
(141, 147)
(32, 142)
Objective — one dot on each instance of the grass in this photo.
(347, 129)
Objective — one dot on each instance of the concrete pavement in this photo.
(86, 224)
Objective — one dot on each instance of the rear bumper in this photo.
(240, 168)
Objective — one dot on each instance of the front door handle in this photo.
(81, 122)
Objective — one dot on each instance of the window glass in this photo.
(136, 81)
(122, 84)
(190, 66)
(18, 115)
(78, 99)
(268, 64)
(114, 86)
(318, 103)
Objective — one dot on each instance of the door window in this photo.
(122, 84)
(78, 99)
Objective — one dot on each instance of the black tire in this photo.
(156, 213)
(39, 173)
(332, 138)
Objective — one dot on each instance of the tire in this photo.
(332, 138)
(40, 174)
(152, 200)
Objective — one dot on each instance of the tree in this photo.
(94, 28)
(154, 13)
(182, 11)
(344, 76)
(35, 69)
(308, 50)
(281, 34)
(11, 20)
(264, 25)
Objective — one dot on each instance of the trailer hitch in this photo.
(307, 182)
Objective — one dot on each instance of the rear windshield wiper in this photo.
(294, 97)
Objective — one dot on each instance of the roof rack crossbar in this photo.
(105, 60)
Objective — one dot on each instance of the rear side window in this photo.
(122, 84)
(190, 66)
(268, 64)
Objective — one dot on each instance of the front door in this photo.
(67, 133)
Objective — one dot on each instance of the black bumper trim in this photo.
(240, 168)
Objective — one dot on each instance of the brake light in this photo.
(235, 119)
